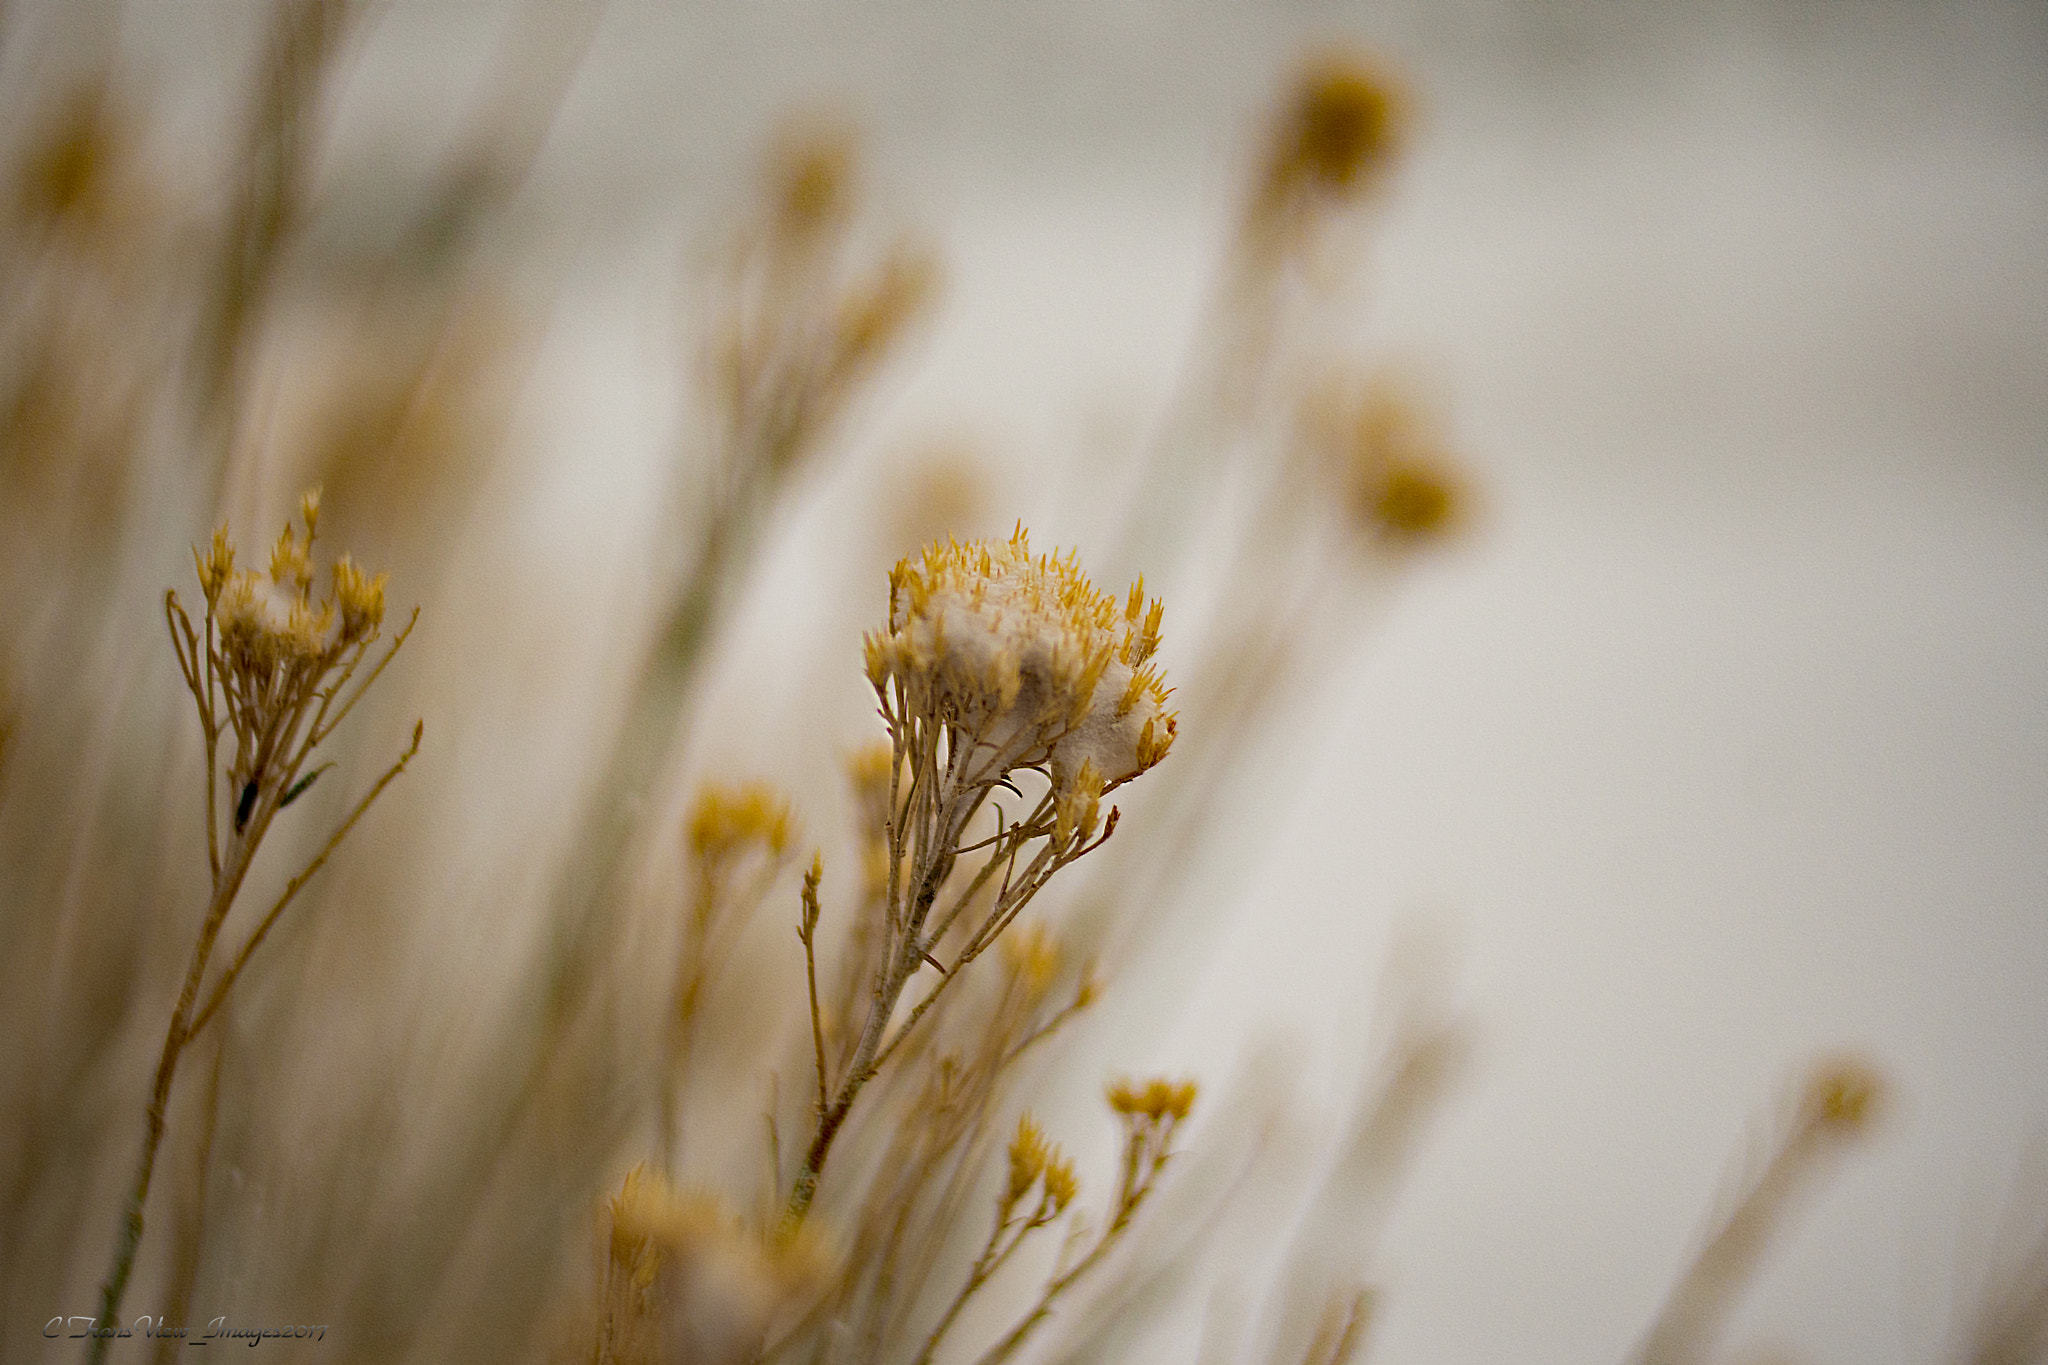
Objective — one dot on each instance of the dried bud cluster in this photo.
(1345, 124)
(1034, 1160)
(272, 631)
(271, 665)
(686, 1280)
(1842, 1097)
(1028, 666)
(727, 820)
(1155, 1101)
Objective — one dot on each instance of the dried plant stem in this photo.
(808, 933)
(1837, 1105)
(588, 903)
(189, 1017)
(993, 1254)
(219, 993)
(926, 825)
(832, 1116)
(904, 957)
(1341, 1333)
(192, 1235)
(278, 691)
(1145, 1157)
(129, 1238)
(1015, 1338)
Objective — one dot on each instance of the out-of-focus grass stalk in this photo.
(1838, 1103)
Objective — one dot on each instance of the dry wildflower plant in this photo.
(673, 1137)
(273, 673)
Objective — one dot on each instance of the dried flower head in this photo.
(1033, 955)
(687, 1280)
(1026, 665)
(728, 819)
(1346, 122)
(993, 661)
(1402, 485)
(1155, 1101)
(273, 666)
(1028, 1154)
(1843, 1096)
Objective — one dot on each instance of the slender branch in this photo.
(982, 1271)
(807, 931)
(323, 731)
(192, 1235)
(129, 1236)
(1131, 1193)
(227, 979)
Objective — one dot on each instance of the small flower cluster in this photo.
(272, 665)
(1339, 136)
(1403, 488)
(1158, 1102)
(684, 1279)
(1347, 123)
(1034, 1161)
(727, 820)
(1842, 1098)
(993, 662)
(1025, 664)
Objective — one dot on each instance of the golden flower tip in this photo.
(811, 176)
(1155, 1100)
(1078, 806)
(360, 597)
(216, 566)
(1028, 1155)
(1033, 1159)
(1061, 1184)
(1416, 502)
(1843, 1096)
(1403, 485)
(1033, 955)
(1345, 123)
(726, 819)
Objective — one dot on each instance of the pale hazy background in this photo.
(1722, 740)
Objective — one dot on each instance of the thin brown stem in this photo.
(129, 1235)
(192, 1236)
(991, 1259)
(808, 932)
(1132, 1192)
(220, 990)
